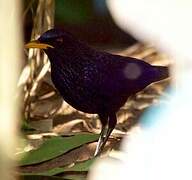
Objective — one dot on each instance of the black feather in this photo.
(93, 81)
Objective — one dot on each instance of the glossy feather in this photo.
(93, 81)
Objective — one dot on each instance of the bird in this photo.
(94, 81)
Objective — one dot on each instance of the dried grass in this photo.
(37, 64)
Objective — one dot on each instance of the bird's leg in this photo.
(111, 125)
(101, 139)
(104, 120)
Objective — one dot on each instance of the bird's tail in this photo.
(161, 72)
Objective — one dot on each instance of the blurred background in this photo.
(87, 20)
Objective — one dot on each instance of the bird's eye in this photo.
(60, 40)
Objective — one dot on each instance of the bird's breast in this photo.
(76, 87)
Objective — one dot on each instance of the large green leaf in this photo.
(78, 167)
(52, 172)
(76, 177)
(55, 147)
(82, 166)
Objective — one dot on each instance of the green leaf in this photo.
(82, 166)
(53, 171)
(55, 147)
(78, 167)
(75, 177)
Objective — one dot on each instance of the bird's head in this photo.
(53, 39)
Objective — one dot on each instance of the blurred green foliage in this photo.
(73, 11)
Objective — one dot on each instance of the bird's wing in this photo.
(119, 75)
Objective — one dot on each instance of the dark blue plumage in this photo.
(93, 81)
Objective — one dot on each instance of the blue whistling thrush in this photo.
(93, 81)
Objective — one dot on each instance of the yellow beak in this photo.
(37, 44)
